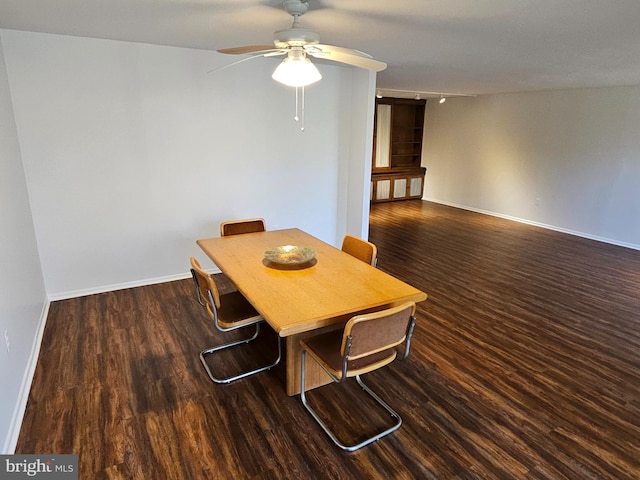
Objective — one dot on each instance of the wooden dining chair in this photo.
(366, 343)
(237, 227)
(361, 249)
(229, 311)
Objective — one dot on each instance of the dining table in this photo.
(299, 300)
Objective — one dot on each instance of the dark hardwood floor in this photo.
(525, 364)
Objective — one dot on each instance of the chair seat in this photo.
(367, 342)
(229, 311)
(235, 305)
(325, 349)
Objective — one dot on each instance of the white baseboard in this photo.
(23, 396)
(538, 224)
(120, 286)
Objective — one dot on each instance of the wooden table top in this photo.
(335, 286)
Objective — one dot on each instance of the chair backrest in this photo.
(379, 331)
(359, 248)
(204, 285)
(237, 227)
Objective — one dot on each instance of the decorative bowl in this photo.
(290, 255)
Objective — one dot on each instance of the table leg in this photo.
(315, 376)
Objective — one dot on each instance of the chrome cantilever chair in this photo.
(361, 249)
(229, 311)
(236, 227)
(367, 343)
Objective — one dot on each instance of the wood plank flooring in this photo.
(525, 364)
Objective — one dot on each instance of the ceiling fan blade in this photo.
(232, 64)
(247, 49)
(270, 53)
(345, 55)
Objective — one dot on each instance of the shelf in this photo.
(397, 173)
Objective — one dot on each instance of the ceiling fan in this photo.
(297, 43)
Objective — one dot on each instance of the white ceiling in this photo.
(448, 46)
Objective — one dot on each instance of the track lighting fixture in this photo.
(441, 97)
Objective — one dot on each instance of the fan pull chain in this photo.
(299, 117)
(302, 112)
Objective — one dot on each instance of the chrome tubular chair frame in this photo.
(363, 386)
(205, 353)
(349, 448)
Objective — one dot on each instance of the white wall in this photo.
(569, 160)
(132, 152)
(355, 175)
(22, 294)
(117, 156)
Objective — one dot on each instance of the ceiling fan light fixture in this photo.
(296, 70)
